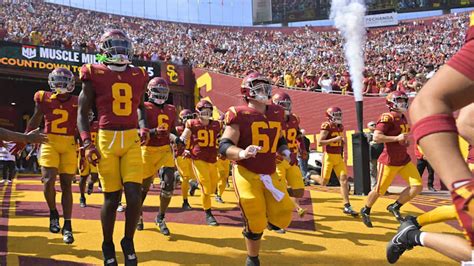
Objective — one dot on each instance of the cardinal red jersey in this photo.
(179, 150)
(470, 155)
(393, 124)
(160, 117)
(335, 130)
(94, 128)
(60, 116)
(117, 94)
(204, 140)
(259, 129)
(290, 128)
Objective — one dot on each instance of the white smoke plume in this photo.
(348, 16)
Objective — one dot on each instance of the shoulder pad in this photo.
(325, 125)
(386, 118)
(39, 95)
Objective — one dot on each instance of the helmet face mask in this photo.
(397, 102)
(185, 115)
(158, 95)
(205, 113)
(116, 47)
(204, 109)
(336, 117)
(286, 104)
(400, 104)
(282, 99)
(61, 81)
(256, 87)
(158, 91)
(260, 91)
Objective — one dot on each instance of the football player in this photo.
(331, 138)
(436, 131)
(85, 168)
(252, 138)
(289, 171)
(116, 89)
(157, 153)
(202, 133)
(58, 155)
(223, 167)
(392, 129)
(183, 160)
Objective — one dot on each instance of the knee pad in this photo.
(251, 236)
(167, 182)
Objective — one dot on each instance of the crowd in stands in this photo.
(397, 58)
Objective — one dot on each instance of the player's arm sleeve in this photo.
(186, 135)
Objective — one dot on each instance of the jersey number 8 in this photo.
(122, 95)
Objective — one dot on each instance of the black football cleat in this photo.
(413, 220)
(400, 242)
(275, 228)
(219, 199)
(140, 225)
(186, 206)
(366, 218)
(82, 202)
(128, 249)
(162, 225)
(68, 238)
(395, 212)
(54, 225)
(108, 251)
(210, 220)
(350, 211)
(90, 188)
(252, 261)
(194, 185)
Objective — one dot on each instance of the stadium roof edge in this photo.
(320, 24)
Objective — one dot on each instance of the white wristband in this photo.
(286, 153)
(242, 155)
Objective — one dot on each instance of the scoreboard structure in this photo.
(286, 11)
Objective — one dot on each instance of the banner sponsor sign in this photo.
(48, 58)
(379, 20)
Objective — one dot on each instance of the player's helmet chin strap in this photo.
(118, 68)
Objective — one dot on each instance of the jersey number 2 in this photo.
(55, 128)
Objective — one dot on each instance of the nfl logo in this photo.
(28, 51)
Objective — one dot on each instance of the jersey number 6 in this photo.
(262, 139)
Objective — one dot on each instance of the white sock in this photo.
(422, 238)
